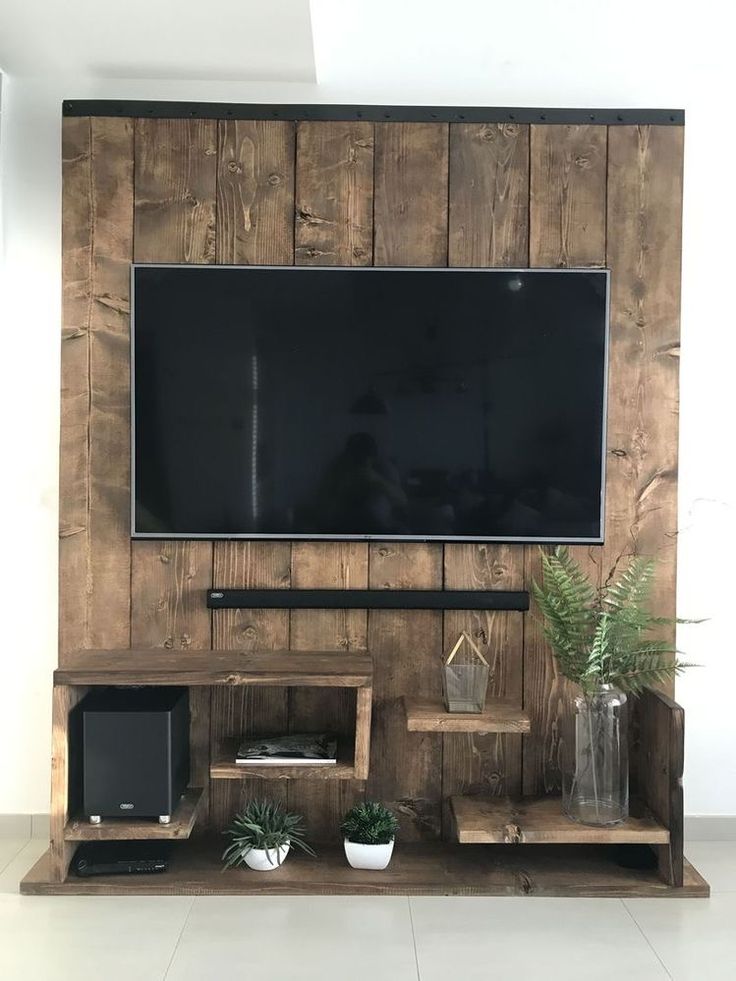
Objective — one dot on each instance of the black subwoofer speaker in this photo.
(135, 752)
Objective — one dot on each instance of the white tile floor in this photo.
(381, 939)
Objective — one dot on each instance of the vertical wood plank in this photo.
(489, 194)
(248, 710)
(411, 194)
(644, 253)
(175, 191)
(334, 226)
(255, 192)
(97, 247)
(74, 473)
(255, 225)
(567, 222)
(326, 565)
(334, 194)
(65, 698)
(406, 767)
(410, 215)
(488, 221)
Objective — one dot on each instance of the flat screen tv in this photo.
(386, 403)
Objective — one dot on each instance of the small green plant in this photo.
(369, 824)
(603, 636)
(263, 824)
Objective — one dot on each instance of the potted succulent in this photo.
(262, 835)
(602, 639)
(369, 831)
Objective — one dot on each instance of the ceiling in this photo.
(238, 40)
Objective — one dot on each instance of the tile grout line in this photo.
(646, 938)
(178, 939)
(414, 938)
(13, 857)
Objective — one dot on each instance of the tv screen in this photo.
(339, 403)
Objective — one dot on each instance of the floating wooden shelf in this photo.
(431, 869)
(326, 669)
(225, 768)
(430, 715)
(127, 829)
(480, 820)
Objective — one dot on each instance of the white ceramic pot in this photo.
(266, 860)
(368, 856)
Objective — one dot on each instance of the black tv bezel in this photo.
(293, 536)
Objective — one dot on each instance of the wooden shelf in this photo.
(132, 829)
(327, 669)
(430, 715)
(480, 820)
(431, 869)
(225, 768)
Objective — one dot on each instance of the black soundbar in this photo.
(367, 599)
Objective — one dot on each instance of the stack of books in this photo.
(298, 749)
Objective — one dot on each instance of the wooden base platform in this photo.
(439, 869)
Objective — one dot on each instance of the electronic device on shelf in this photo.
(135, 752)
(121, 858)
(358, 403)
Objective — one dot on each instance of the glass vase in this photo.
(596, 781)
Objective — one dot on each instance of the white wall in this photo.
(637, 54)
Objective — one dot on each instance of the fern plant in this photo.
(604, 636)
(369, 824)
(263, 824)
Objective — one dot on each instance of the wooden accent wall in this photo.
(360, 193)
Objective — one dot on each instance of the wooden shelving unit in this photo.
(198, 670)
(430, 715)
(432, 869)
(118, 829)
(483, 821)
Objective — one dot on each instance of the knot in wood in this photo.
(274, 179)
(234, 168)
(169, 643)
(512, 834)
(250, 632)
(582, 161)
(619, 452)
(185, 641)
(163, 557)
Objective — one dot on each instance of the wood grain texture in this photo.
(255, 192)
(644, 251)
(271, 780)
(252, 711)
(432, 869)
(489, 226)
(334, 194)
(567, 221)
(489, 194)
(659, 772)
(363, 717)
(541, 821)
(63, 802)
(410, 216)
(97, 245)
(175, 207)
(230, 667)
(430, 715)
(567, 217)
(474, 763)
(122, 829)
(406, 767)
(326, 565)
(410, 210)
(255, 225)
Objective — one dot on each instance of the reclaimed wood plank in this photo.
(334, 194)
(567, 228)
(430, 715)
(175, 207)
(644, 255)
(534, 821)
(488, 226)
(124, 829)
(251, 710)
